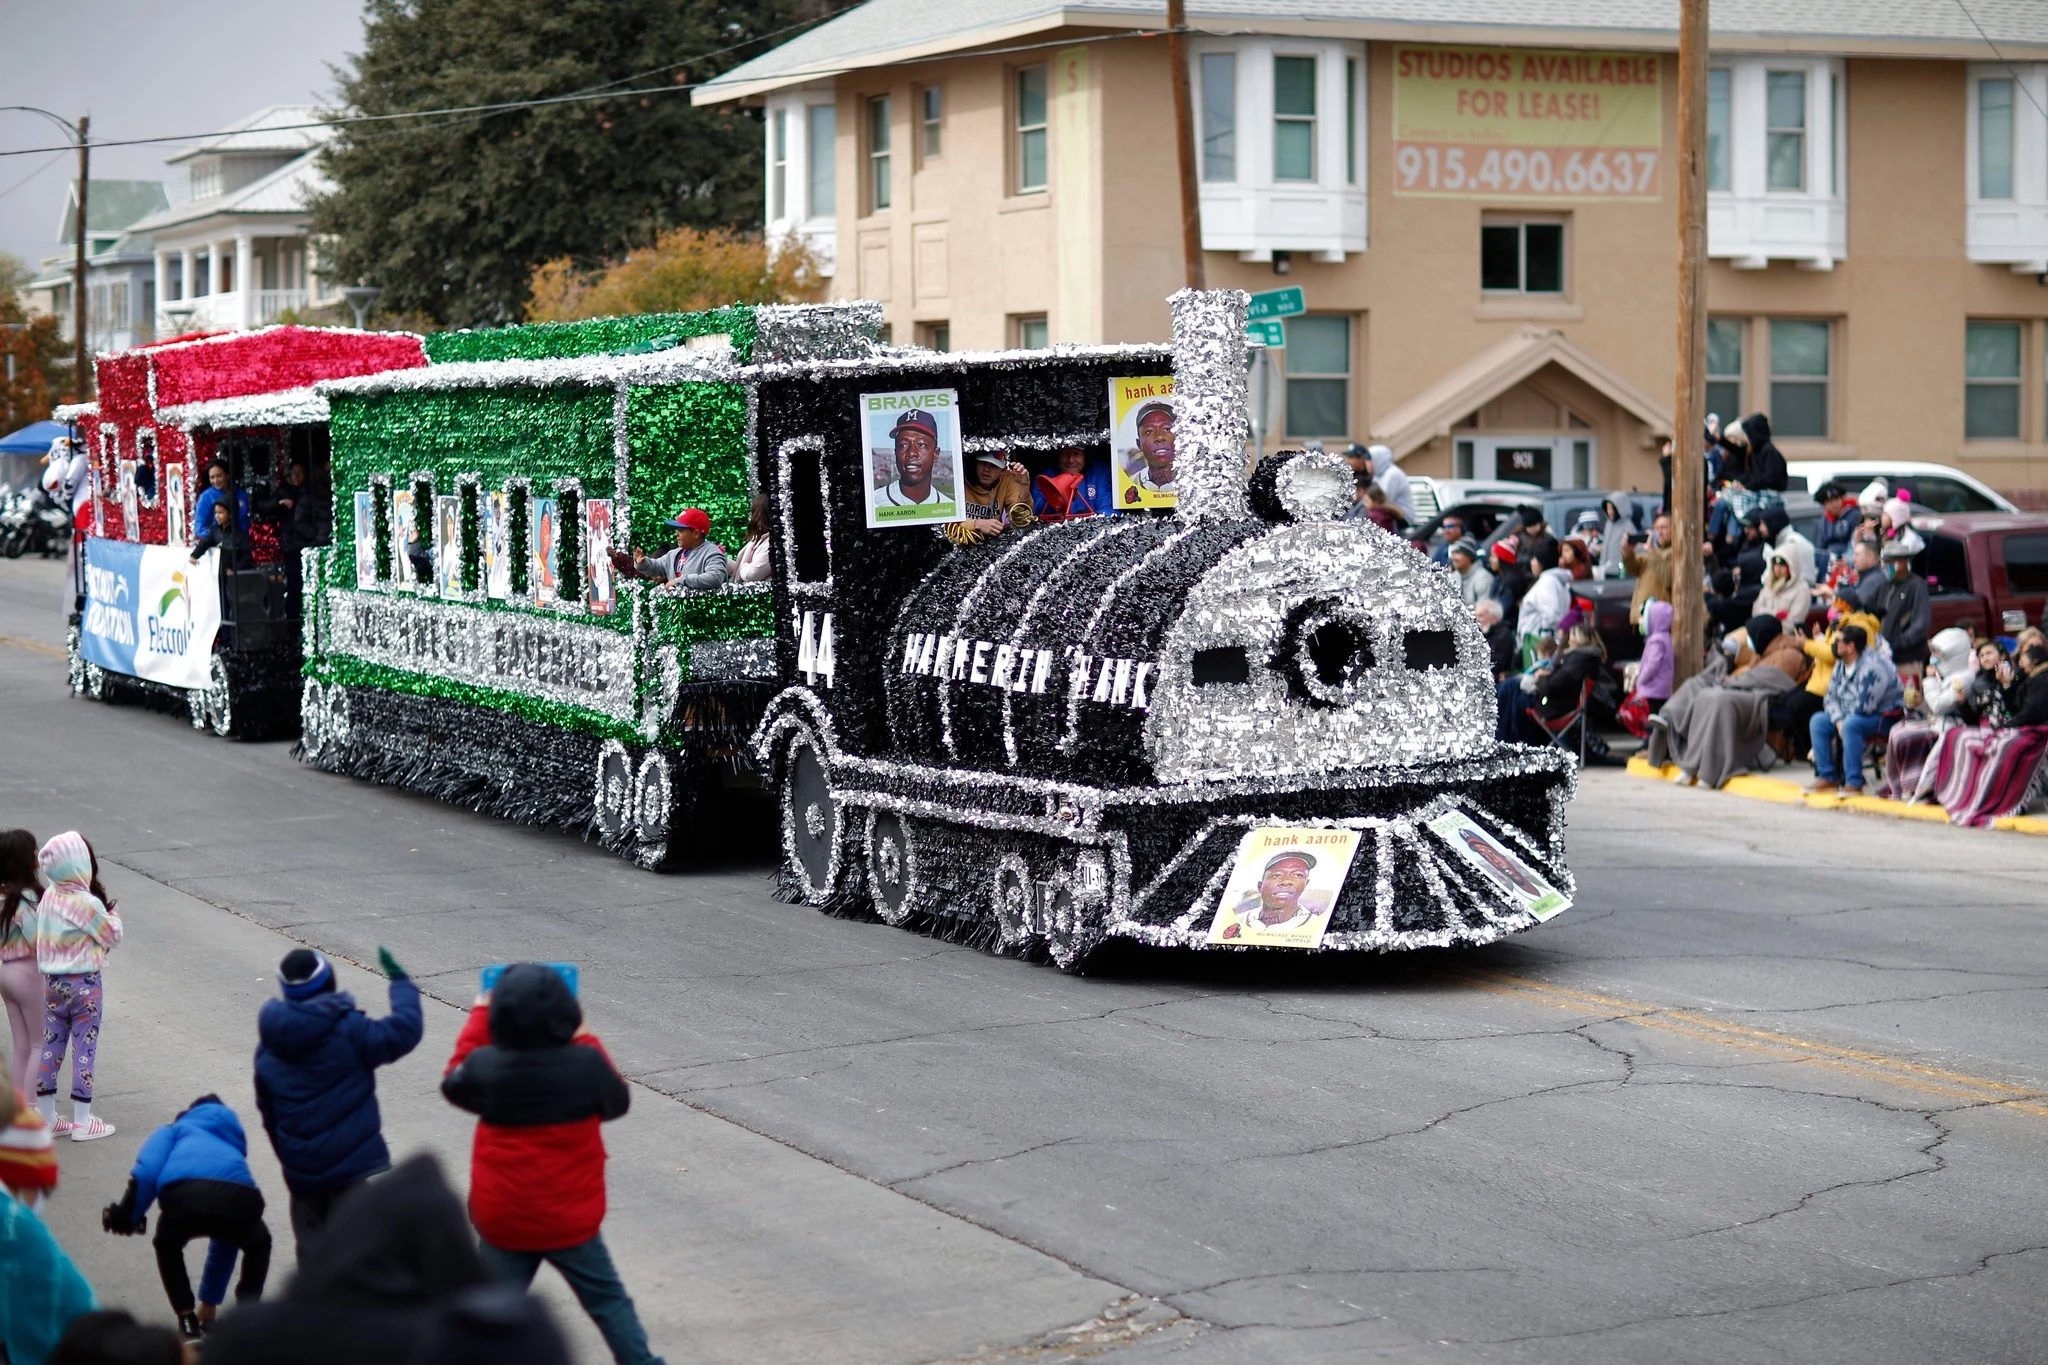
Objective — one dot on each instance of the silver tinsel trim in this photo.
(1316, 485)
(554, 660)
(789, 332)
(712, 660)
(1353, 578)
(283, 408)
(1209, 403)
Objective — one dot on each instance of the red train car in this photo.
(181, 425)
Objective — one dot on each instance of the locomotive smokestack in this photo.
(1211, 413)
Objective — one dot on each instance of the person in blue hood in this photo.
(196, 1168)
(316, 1083)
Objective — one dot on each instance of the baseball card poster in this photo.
(1141, 441)
(366, 540)
(497, 563)
(912, 445)
(1521, 884)
(402, 536)
(1283, 886)
(599, 591)
(175, 508)
(540, 548)
(448, 545)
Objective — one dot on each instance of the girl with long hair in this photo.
(21, 982)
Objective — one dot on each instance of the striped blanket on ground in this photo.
(1982, 774)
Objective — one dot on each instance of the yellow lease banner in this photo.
(1523, 123)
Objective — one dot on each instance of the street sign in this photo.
(1277, 303)
(1270, 332)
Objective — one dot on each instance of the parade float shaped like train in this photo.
(1240, 723)
(218, 641)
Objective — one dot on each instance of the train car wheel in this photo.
(218, 699)
(1017, 927)
(811, 821)
(892, 866)
(95, 682)
(1074, 929)
(613, 796)
(74, 661)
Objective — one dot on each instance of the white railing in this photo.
(271, 303)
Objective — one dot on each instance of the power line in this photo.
(587, 93)
(31, 175)
(2016, 79)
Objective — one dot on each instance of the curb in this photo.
(1778, 791)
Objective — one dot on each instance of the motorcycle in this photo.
(31, 522)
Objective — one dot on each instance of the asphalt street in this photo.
(1772, 1091)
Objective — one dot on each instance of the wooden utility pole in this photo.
(1688, 473)
(1184, 141)
(81, 373)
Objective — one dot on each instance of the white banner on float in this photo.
(546, 657)
(150, 612)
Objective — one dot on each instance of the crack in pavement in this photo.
(982, 1161)
(1983, 1264)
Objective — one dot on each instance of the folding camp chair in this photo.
(1556, 731)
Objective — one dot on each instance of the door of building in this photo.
(1546, 461)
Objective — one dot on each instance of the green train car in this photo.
(467, 634)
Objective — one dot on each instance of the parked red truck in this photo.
(1986, 571)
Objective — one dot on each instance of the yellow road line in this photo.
(1898, 1071)
(34, 646)
(1780, 792)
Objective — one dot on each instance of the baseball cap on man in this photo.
(691, 519)
(1155, 408)
(999, 458)
(917, 419)
(1307, 860)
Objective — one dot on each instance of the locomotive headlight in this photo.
(1325, 649)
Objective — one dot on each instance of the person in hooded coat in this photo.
(1948, 688)
(1782, 595)
(1717, 723)
(1548, 599)
(540, 1084)
(1781, 533)
(1906, 608)
(380, 1283)
(1616, 524)
(1393, 481)
(1655, 671)
(316, 1083)
(196, 1168)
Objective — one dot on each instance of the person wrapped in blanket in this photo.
(997, 498)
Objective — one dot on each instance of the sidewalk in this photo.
(1783, 792)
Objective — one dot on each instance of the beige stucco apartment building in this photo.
(1477, 200)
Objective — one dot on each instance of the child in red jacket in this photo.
(540, 1084)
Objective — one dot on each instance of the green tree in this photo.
(35, 360)
(450, 216)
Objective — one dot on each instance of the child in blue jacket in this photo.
(196, 1168)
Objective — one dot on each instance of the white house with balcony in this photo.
(120, 302)
(2008, 166)
(236, 253)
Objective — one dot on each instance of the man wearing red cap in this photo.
(695, 564)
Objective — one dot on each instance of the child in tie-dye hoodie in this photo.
(76, 926)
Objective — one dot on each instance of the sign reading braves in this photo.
(150, 612)
(1527, 124)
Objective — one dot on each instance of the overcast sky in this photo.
(147, 68)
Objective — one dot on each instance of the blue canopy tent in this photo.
(21, 453)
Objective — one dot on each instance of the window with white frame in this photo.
(1785, 130)
(2007, 165)
(930, 107)
(1218, 84)
(1991, 381)
(1800, 360)
(820, 146)
(778, 165)
(1281, 127)
(1775, 146)
(1724, 368)
(878, 154)
(1030, 113)
(1294, 118)
(1318, 362)
(1718, 126)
